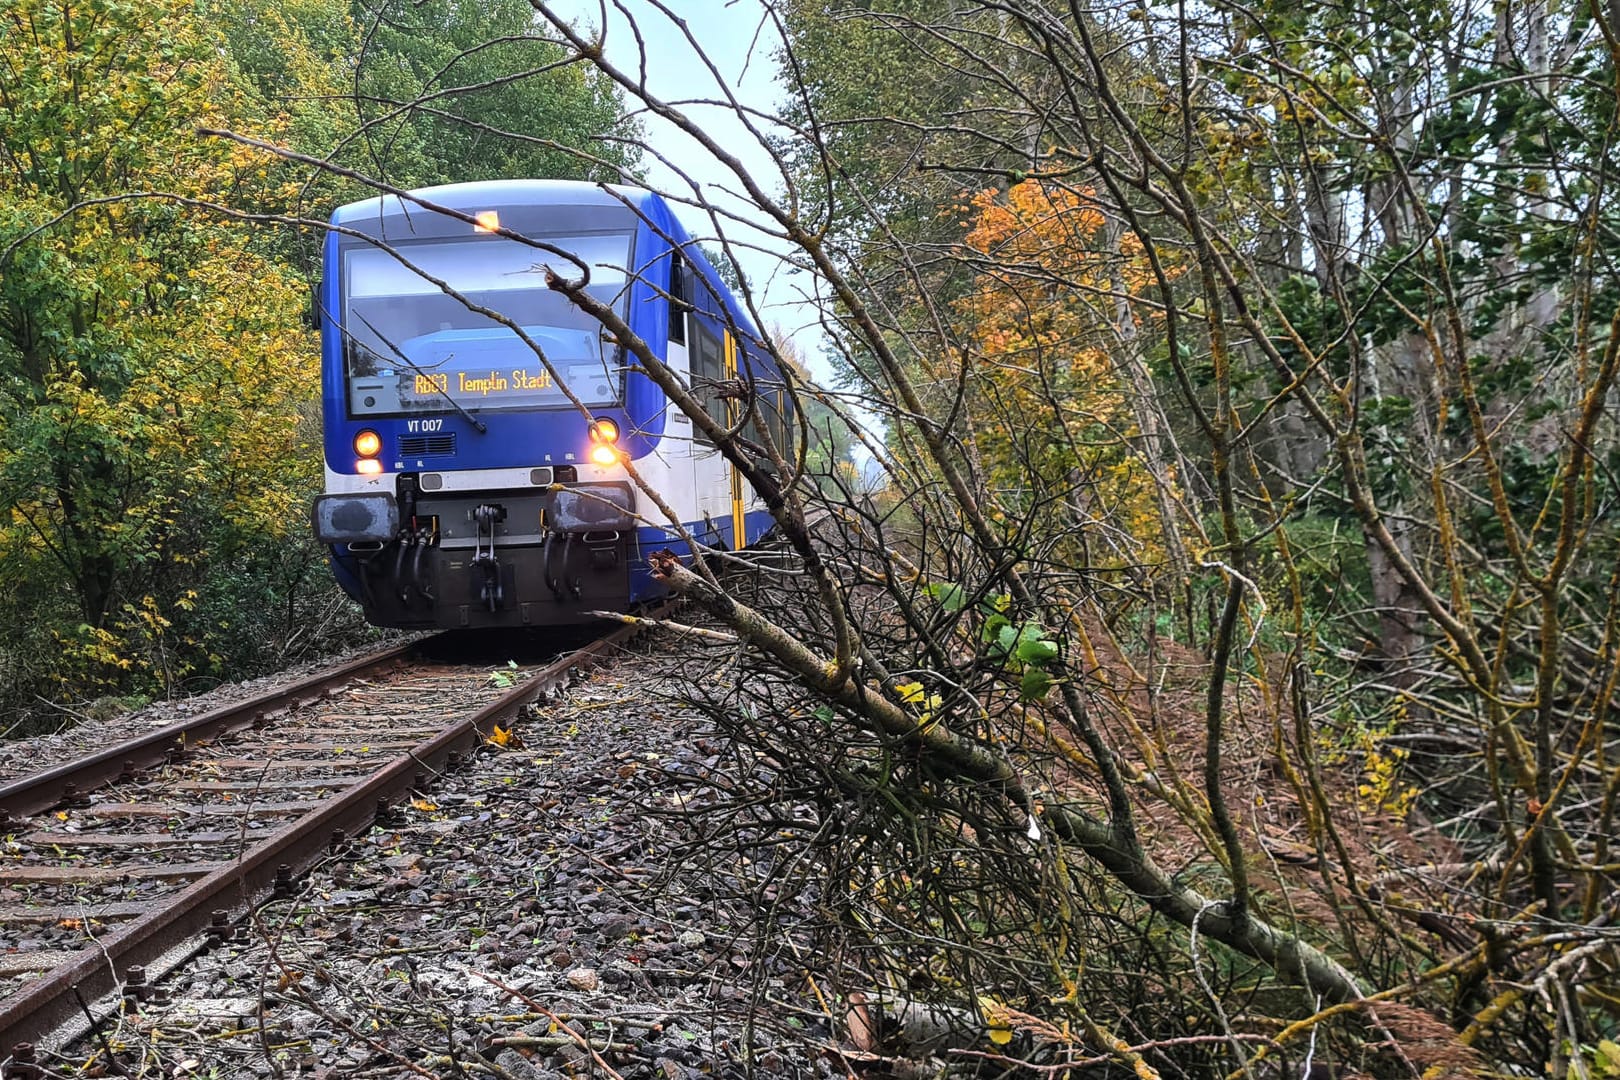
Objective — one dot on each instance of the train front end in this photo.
(463, 488)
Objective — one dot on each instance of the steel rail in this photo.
(49, 1003)
(42, 791)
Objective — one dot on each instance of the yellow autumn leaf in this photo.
(505, 737)
(424, 805)
(1608, 1058)
(996, 1021)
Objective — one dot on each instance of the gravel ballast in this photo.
(527, 916)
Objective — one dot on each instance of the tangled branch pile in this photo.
(1221, 670)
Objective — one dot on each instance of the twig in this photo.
(1103, 1059)
(555, 1041)
(112, 1062)
(666, 624)
(582, 1041)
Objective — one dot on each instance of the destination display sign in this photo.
(485, 383)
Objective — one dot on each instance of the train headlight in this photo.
(604, 433)
(369, 466)
(368, 444)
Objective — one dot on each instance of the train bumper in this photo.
(420, 560)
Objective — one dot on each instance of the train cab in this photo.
(477, 424)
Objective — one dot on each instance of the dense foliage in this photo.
(158, 446)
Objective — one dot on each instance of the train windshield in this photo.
(411, 349)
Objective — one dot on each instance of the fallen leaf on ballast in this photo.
(505, 738)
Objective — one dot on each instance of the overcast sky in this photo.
(739, 42)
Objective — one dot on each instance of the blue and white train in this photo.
(463, 489)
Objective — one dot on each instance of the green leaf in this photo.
(1608, 1058)
(1037, 651)
(951, 596)
(1006, 638)
(992, 627)
(994, 606)
(1034, 685)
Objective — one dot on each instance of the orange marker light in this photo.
(488, 221)
(367, 443)
(604, 430)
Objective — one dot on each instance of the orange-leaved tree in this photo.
(1057, 405)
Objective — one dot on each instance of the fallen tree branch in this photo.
(966, 760)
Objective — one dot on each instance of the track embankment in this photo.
(546, 908)
(119, 864)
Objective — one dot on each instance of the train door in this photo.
(739, 532)
(712, 355)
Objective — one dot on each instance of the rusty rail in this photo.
(160, 940)
(42, 791)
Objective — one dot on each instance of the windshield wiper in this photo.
(427, 376)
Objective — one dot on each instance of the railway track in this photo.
(118, 867)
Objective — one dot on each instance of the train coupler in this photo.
(486, 516)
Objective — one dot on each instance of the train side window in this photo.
(773, 404)
(678, 298)
(766, 398)
(771, 416)
(708, 370)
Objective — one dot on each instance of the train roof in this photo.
(473, 196)
(485, 194)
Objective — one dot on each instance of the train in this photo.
(464, 489)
